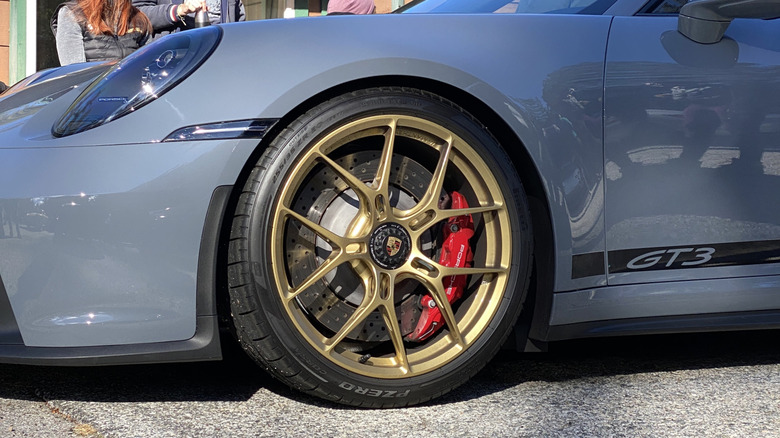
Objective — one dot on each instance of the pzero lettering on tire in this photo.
(380, 249)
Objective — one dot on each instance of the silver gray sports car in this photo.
(375, 205)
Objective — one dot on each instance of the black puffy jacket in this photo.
(101, 47)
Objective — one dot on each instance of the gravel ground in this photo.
(713, 385)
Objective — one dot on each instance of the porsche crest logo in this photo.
(393, 245)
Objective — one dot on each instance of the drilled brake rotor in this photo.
(327, 200)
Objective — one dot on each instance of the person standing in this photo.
(98, 30)
(349, 7)
(225, 11)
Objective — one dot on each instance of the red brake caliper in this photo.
(455, 253)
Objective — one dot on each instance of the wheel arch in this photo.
(539, 297)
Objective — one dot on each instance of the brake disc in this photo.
(328, 201)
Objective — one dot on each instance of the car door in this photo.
(692, 150)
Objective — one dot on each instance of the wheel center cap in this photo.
(390, 246)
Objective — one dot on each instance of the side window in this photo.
(664, 7)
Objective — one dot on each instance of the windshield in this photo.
(592, 7)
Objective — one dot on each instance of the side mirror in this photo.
(705, 21)
(721, 56)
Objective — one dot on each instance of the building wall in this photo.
(256, 9)
(5, 36)
(385, 6)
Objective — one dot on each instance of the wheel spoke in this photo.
(371, 301)
(428, 269)
(425, 219)
(391, 321)
(379, 297)
(437, 182)
(332, 262)
(382, 179)
(439, 295)
(333, 239)
(449, 271)
(451, 212)
(364, 192)
(338, 254)
(431, 198)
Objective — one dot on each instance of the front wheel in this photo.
(380, 250)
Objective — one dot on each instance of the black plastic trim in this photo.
(204, 345)
(767, 319)
(207, 283)
(9, 329)
(587, 265)
(544, 272)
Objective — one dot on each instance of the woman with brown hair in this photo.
(98, 30)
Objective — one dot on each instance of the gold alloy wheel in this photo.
(328, 223)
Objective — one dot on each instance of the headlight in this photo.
(140, 78)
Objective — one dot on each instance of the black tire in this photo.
(318, 208)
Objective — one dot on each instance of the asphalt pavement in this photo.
(709, 385)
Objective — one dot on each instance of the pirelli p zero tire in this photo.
(342, 249)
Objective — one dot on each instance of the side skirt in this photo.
(668, 325)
